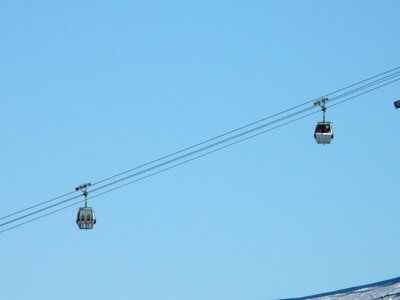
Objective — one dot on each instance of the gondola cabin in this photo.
(86, 218)
(323, 133)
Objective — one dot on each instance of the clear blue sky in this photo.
(91, 88)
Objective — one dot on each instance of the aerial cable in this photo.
(201, 143)
(36, 205)
(174, 166)
(204, 154)
(163, 164)
(363, 93)
(389, 76)
(191, 159)
(243, 139)
(211, 145)
(155, 173)
(192, 153)
(186, 161)
(41, 216)
(248, 125)
(380, 80)
(205, 148)
(39, 210)
(149, 163)
(171, 154)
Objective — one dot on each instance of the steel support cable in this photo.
(363, 93)
(378, 81)
(224, 140)
(239, 141)
(201, 143)
(238, 135)
(175, 153)
(155, 173)
(39, 210)
(36, 205)
(40, 217)
(194, 158)
(390, 76)
(205, 154)
(163, 164)
(245, 126)
(227, 133)
(215, 144)
(246, 138)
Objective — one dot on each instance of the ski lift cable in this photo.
(155, 173)
(36, 205)
(161, 164)
(363, 93)
(204, 154)
(228, 139)
(39, 211)
(213, 145)
(40, 217)
(181, 163)
(227, 133)
(184, 162)
(390, 76)
(141, 166)
(251, 124)
(378, 81)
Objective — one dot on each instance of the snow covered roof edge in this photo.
(349, 290)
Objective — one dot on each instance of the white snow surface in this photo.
(385, 290)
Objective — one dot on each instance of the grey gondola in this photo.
(323, 133)
(86, 218)
(397, 104)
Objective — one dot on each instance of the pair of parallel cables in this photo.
(204, 148)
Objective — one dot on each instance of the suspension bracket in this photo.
(83, 188)
(322, 103)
